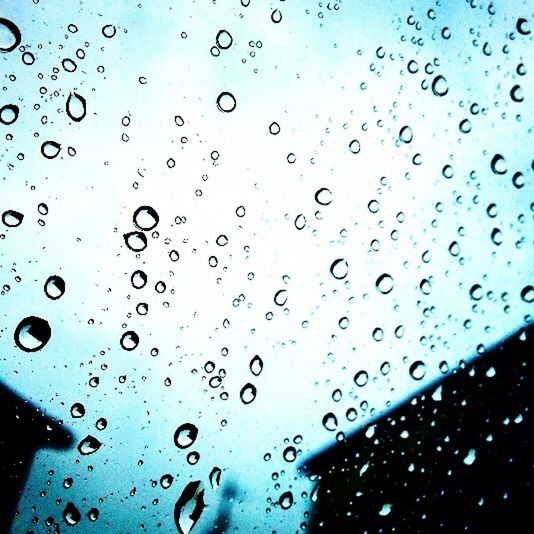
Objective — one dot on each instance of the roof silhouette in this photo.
(24, 428)
(457, 457)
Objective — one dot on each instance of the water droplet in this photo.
(527, 294)
(425, 286)
(189, 507)
(166, 481)
(32, 334)
(339, 268)
(9, 35)
(522, 26)
(136, 241)
(248, 393)
(471, 457)
(516, 93)
(440, 86)
(185, 435)
(290, 454)
(498, 164)
(222, 240)
(89, 445)
(280, 297)
(286, 500)
(54, 287)
(76, 107)
(361, 378)
(354, 146)
(496, 236)
(129, 340)
(330, 421)
(50, 149)
(378, 334)
(256, 365)
(274, 128)
(300, 221)
(145, 218)
(77, 410)
(406, 134)
(9, 114)
(475, 292)
(384, 283)
(215, 478)
(226, 102)
(276, 16)
(71, 514)
(109, 31)
(417, 370)
(224, 40)
(323, 196)
(12, 218)
(139, 279)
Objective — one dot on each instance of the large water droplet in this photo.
(286, 500)
(71, 514)
(9, 35)
(248, 393)
(527, 294)
(54, 287)
(384, 283)
(89, 445)
(226, 102)
(256, 365)
(50, 149)
(32, 334)
(406, 134)
(280, 297)
(9, 114)
(339, 268)
(139, 279)
(185, 435)
(145, 218)
(12, 218)
(361, 378)
(77, 410)
(223, 40)
(417, 370)
(215, 478)
(498, 164)
(323, 196)
(189, 507)
(440, 87)
(76, 107)
(330, 421)
(129, 340)
(136, 241)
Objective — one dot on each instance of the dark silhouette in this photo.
(24, 429)
(456, 458)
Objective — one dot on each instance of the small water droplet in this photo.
(54, 287)
(286, 500)
(224, 40)
(9, 114)
(440, 86)
(76, 107)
